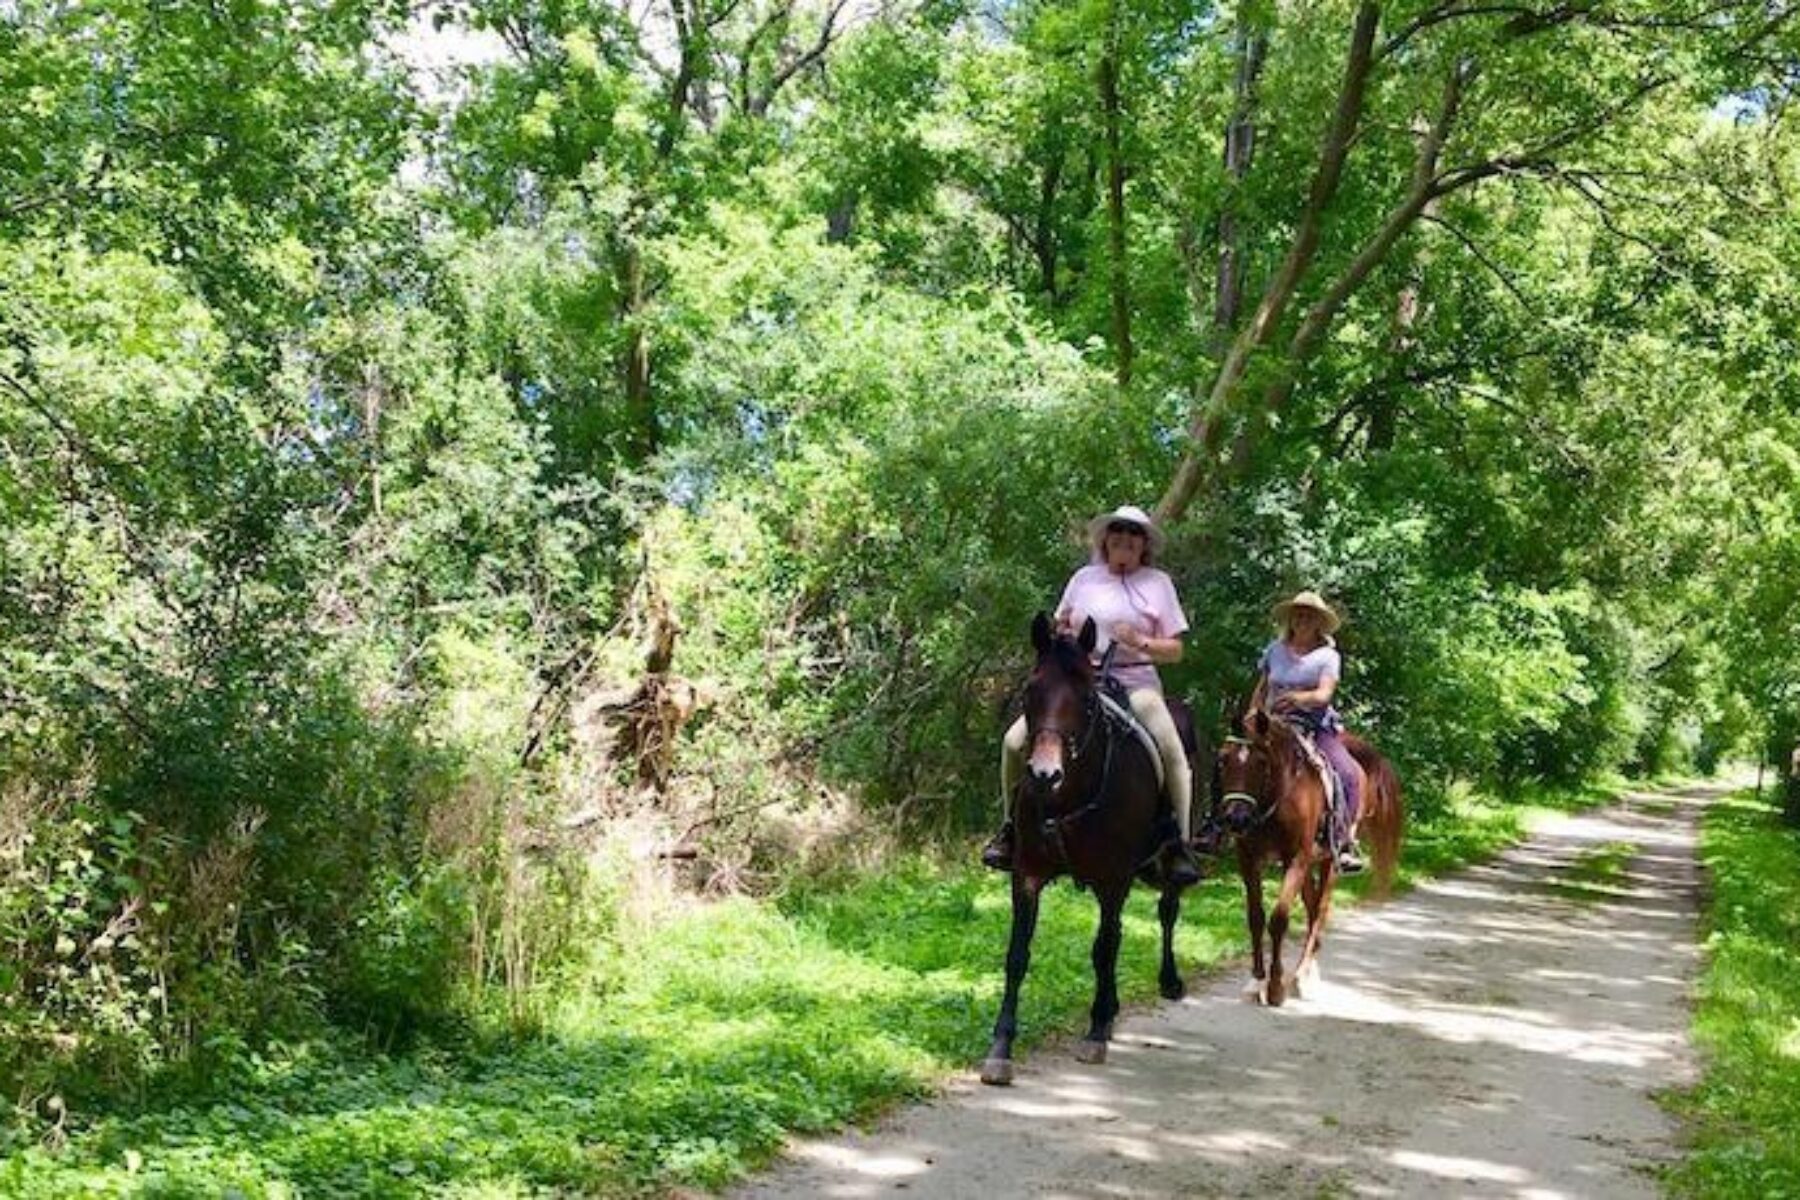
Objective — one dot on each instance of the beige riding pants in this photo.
(1148, 706)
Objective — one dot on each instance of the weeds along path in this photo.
(1497, 1032)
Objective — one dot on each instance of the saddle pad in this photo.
(1128, 719)
(1334, 787)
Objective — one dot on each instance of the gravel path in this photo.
(1498, 1032)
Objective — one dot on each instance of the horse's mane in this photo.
(1285, 752)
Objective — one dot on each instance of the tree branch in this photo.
(1318, 318)
(1206, 428)
(828, 35)
(1484, 259)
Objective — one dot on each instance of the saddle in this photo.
(1334, 785)
(1116, 703)
(1118, 711)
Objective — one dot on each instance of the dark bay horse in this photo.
(1272, 799)
(1088, 806)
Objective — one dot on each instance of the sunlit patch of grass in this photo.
(693, 1052)
(1474, 826)
(1596, 874)
(1745, 1111)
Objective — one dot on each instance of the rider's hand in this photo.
(1127, 635)
(1282, 704)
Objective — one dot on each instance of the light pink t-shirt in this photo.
(1144, 599)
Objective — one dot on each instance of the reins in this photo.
(1262, 810)
(1094, 715)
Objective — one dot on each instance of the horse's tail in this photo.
(1385, 819)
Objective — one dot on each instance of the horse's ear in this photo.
(1236, 724)
(1259, 723)
(1040, 632)
(1089, 635)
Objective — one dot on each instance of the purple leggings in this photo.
(1348, 771)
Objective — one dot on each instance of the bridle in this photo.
(1093, 716)
(1072, 749)
(1239, 801)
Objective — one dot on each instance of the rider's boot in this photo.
(1180, 867)
(1210, 839)
(998, 853)
(1348, 856)
(1175, 863)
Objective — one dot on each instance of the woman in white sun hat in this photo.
(1133, 606)
(1297, 678)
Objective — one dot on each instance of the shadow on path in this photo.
(1497, 1032)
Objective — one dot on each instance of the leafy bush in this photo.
(82, 1004)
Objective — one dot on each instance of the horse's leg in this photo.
(1092, 1048)
(1250, 867)
(1168, 910)
(1278, 923)
(1317, 892)
(998, 1068)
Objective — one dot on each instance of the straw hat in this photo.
(1130, 514)
(1313, 602)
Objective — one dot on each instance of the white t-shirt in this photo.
(1145, 600)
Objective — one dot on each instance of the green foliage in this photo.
(1747, 1105)
(733, 1025)
(353, 422)
(79, 979)
(1595, 874)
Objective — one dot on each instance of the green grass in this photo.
(722, 1031)
(1745, 1112)
(1596, 874)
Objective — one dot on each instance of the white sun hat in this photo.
(1126, 514)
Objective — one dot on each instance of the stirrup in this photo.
(997, 855)
(1178, 865)
(1211, 840)
(1349, 862)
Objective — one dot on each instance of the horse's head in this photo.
(1246, 770)
(1060, 703)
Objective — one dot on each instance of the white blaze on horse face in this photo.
(1046, 762)
(1236, 768)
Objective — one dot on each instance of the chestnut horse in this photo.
(1088, 806)
(1272, 800)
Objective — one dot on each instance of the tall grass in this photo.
(1745, 1112)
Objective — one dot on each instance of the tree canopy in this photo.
(669, 418)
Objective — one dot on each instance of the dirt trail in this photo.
(1498, 1032)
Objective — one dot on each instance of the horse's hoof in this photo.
(1173, 990)
(997, 1072)
(1090, 1052)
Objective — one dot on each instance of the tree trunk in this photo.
(1240, 148)
(1384, 406)
(1199, 465)
(373, 389)
(1043, 242)
(840, 220)
(640, 401)
(1115, 198)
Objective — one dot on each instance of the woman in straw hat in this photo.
(1298, 676)
(1134, 607)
